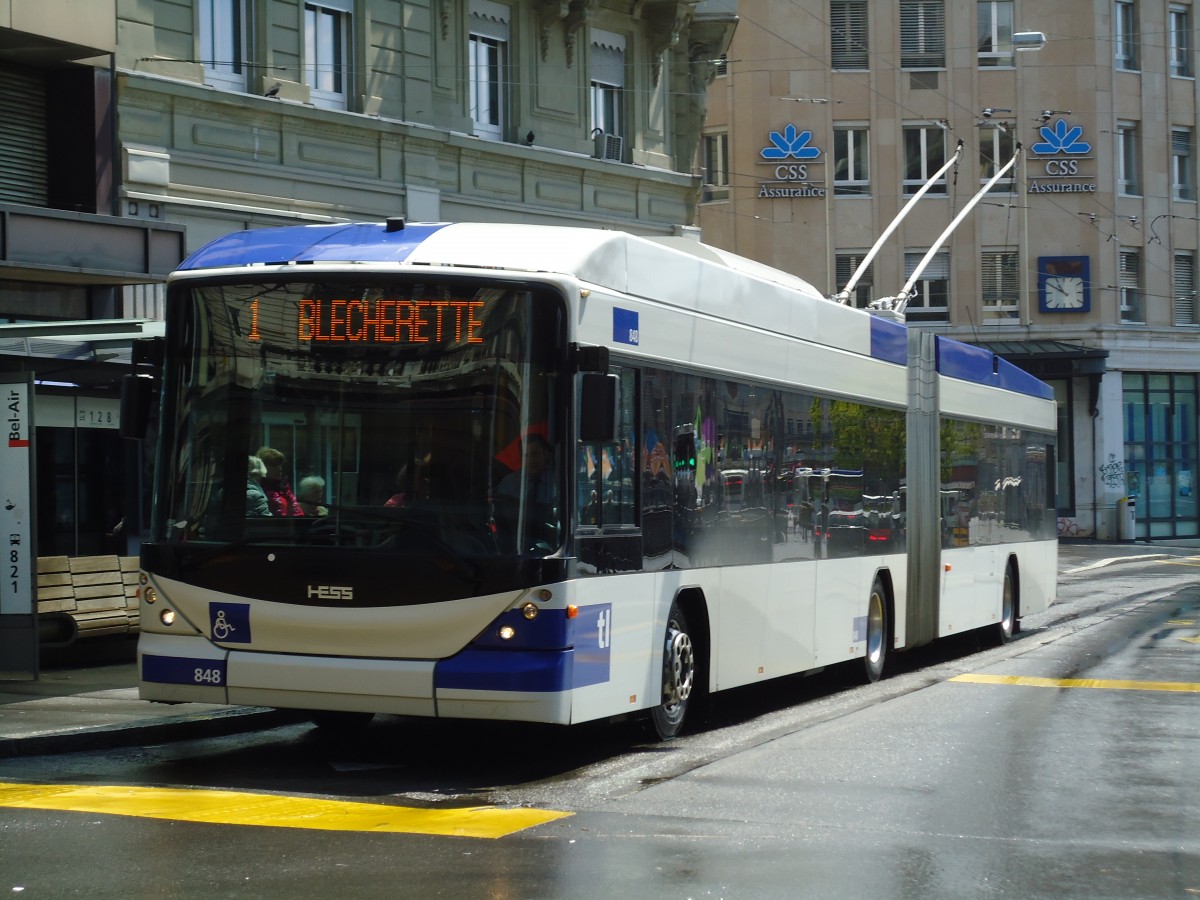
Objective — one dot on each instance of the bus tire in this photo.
(1003, 631)
(678, 677)
(878, 629)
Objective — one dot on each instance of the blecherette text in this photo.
(390, 321)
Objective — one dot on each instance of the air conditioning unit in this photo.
(608, 146)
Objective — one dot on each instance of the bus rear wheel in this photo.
(1003, 631)
(679, 677)
(877, 633)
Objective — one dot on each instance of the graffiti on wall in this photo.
(1112, 473)
(1069, 528)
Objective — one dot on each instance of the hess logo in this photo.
(330, 592)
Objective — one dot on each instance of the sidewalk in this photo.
(86, 695)
(86, 699)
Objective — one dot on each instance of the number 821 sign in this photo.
(16, 499)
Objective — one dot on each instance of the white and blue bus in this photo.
(565, 474)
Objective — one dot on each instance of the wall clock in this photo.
(1064, 284)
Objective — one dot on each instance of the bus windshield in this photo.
(388, 412)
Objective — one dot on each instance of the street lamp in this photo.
(1028, 40)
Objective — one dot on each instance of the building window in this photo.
(327, 51)
(1183, 170)
(715, 148)
(607, 80)
(1184, 281)
(1125, 37)
(851, 161)
(1129, 180)
(223, 43)
(922, 34)
(931, 293)
(996, 148)
(722, 66)
(1001, 285)
(995, 19)
(487, 66)
(1161, 451)
(924, 154)
(1129, 285)
(845, 265)
(848, 34)
(1180, 26)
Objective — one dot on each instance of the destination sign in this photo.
(379, 321)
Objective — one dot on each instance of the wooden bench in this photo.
(98, 592)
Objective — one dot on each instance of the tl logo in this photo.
(1060, 138)
(604, 629)
(791, 143)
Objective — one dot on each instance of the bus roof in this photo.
(586, 253)
(615, 260)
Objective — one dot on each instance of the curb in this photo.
(160, 731)
(1115, 560)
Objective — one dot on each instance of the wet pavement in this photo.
(85, 697)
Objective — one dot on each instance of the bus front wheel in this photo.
(678, 677)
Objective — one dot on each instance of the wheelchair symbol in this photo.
(222, 629)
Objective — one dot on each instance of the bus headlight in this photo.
(529, 611)
(151, 595)
(167, 617)
(507, 632)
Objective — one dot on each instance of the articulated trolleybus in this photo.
(561, 474)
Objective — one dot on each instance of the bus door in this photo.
(608, 535)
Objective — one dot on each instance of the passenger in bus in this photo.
(311, 496)
(412, 484)
(539, 500)
(280, 497)
(534, 473)
(256, 497)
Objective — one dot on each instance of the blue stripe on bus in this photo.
(975, 364)
(500, 666)
(183, 670)
(365, 242)
(889, 341)
(536, 671)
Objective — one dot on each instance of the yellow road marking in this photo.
(1185, 687)
(269, 810)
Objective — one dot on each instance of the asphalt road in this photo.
(1060, 765)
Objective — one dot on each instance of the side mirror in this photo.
(137, 397)
(597, 408)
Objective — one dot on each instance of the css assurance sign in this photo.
(1060, 152)
(793, 157)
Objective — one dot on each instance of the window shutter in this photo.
(937, 270)
(489, 20)
(922, 34)
(23, 164)
(845, 265)
(1185, 289)
(1130, 276)
(848, 34)
(999, 278)
(608, 58)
